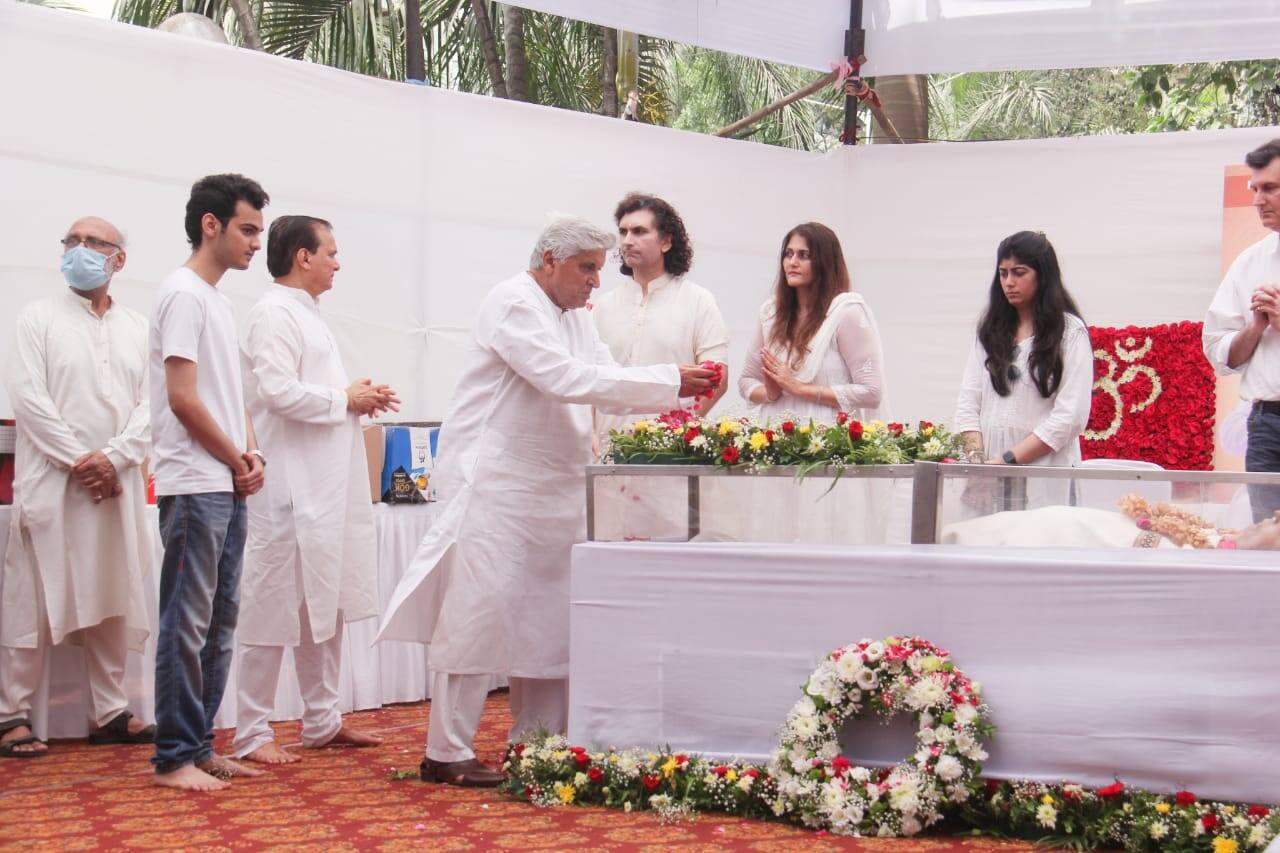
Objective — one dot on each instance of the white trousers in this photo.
(318, 666)
(457, 703)
(106, 649)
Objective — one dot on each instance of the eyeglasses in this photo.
(69, 243)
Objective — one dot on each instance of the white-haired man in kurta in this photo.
(79, 539)
(489, 587)
(312, 549)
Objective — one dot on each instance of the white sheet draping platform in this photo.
(1156, 667)
(372, 676)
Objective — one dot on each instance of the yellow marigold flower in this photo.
(728, 427)
(758, 441)
(804, 430)
(1226, 845)
(565, 793)
(1163, 808)
(927, 432)
(670, 766)
(1228, 809)
(731, 776)
(641, 426)
(1047, 800)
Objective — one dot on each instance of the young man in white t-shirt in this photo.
(206, 464)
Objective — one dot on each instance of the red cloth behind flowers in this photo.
(1161, 372)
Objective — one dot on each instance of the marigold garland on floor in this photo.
(808, 782)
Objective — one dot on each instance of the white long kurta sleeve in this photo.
(489, 587)
(77, 383)
(311, 532)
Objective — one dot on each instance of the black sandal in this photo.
(117, 731)
(9, 748)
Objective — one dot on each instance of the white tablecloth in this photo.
(1157, 667)
(371, 675)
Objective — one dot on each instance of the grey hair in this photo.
(568, 236)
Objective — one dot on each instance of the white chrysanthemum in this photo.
(948, 768)
(923, 755)
(933, 447)
(975, 753)
(800, 765)
(966, 714)
(911, 826)
(926, 693)
(958, 793)
(926, 735)
(1047, 816)
(1260, 835)
(859, 774)
(804, 726)
(904, 798)
(833, 796)
(847, 667)
(829, 750)
(943, 734)
(874, 652)
(699, 442)
(579, 779)
(745, 782)
(1158, 830)
(804, 707)
(866, 679)
(816, 444)
(627, 764)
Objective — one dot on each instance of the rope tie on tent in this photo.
(850, 80)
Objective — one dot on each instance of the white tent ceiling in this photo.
(937, 36)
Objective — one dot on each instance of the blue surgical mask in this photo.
(84, 269)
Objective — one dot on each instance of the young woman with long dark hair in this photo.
(1028, 384)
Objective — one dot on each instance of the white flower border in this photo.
(821, 789)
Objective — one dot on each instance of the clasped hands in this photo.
(365, 398)
(95, 472)
(1265, 305)
(778, 377)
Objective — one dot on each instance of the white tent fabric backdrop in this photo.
(934, 36)
(436, 196)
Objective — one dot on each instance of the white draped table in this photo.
(1157, 667)
(372, 676)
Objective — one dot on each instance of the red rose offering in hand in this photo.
(718, 370)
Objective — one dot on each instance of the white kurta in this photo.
(489, 587)
(1229, 313)
(676, 322)
(314, 506)
(77, 382)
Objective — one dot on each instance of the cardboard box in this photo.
(374, 451)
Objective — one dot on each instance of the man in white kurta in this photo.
(312, 552)
(657, 315)
(489, 587)
(80, 542)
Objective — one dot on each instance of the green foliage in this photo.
(1209, 95)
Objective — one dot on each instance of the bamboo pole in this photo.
(763, 112)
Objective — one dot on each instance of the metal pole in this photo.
(855, 47)
(695, 507)
(926, 482)
(591, 505)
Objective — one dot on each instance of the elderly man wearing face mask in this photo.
(79, 539)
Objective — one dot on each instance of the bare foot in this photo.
(21, 732)
(271, 753)
(352, 737)
(189, 778)
(225, 768)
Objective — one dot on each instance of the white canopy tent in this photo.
(436, 196)
(935, 36)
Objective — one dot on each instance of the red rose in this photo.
(651, 782)
(788, 427)
(839, 765)
(752, 772)
(582, 760)
(926, 425)
(1209, 821)
(895, 428)
(690, 434)
(1259, 811)
(855, 430)
(529, 792)
(993, 785)
(1069, 794)
(769, 435)
(1184, 798)
(842, 418)
(519, 749)
(1113, 790)
(595, 774)
(730, 454)
(682, 759)
(720, 771)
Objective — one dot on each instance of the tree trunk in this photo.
(517, 60)
(628, 62)
(248, 26)
(415, 61)
(906, 104)
(609, 72)
(489, 46)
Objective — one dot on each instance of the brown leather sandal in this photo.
(465, 774)
(9, 748)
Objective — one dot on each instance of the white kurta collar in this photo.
(298, 295)
(79, 303)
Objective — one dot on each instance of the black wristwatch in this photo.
(1009, 458)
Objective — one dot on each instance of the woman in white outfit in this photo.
(815, 353)
(1028, 383)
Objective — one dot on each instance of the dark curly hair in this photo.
(218, 194)
(679, 257)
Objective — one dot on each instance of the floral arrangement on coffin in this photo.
(807, 781)
(682, 437)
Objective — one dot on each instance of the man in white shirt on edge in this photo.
(207, 463)
(655, 316)
(312, 544)
(489, 587)
(1242, 328)
(79, 541)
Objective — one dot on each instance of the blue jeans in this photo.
(1263, 454)
(203, 539)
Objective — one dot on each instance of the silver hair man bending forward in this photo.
(489, 587)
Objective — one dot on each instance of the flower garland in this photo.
(1153, 397)
(1178, 525)
(820, 787)
(807, 781)
(681, 437)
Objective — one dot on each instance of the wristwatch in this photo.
(261, 458)
(1009, 458)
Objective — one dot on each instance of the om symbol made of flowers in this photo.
(823, 790)
(1110, 386)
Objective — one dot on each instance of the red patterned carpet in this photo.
(82, 797)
